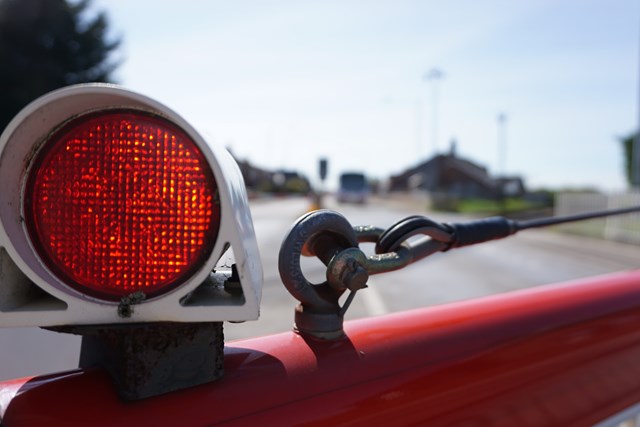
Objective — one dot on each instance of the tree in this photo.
(48, 44)
(627, 150)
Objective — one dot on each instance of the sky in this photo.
(283, 83)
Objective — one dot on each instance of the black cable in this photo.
(473, 232)
(544, 222)
(493, 228)
(480, 231)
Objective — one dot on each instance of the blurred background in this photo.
(543, 90)
(376, 109)
(539, 89)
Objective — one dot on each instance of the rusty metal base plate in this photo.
(146, 360)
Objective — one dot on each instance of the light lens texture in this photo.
(119, 202)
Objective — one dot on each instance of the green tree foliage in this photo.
(627, 149)
(48, 44)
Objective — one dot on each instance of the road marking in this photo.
(373, 302)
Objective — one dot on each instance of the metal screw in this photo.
(354, 276)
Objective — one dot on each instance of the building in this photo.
(261, 180)
(454, 176)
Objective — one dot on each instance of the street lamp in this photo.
(433, 75)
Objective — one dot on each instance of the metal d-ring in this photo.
(322, 233)
(411, 226)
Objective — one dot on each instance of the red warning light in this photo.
(122, 201)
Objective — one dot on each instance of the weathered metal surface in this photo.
(149, 359)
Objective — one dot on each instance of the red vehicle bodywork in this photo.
(564, 355)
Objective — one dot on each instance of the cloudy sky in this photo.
(285, 82)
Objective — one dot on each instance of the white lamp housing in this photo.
(32, 295)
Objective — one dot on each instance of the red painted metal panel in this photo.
(556, 355)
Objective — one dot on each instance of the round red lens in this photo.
(122, 201)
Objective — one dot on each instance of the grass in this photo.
(488, 207)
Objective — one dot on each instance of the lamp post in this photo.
(433, 76)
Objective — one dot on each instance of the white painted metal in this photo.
(20, 266)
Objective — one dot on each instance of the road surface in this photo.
(531, 258)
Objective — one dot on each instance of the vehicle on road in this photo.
(115, 218)
(353, 188)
